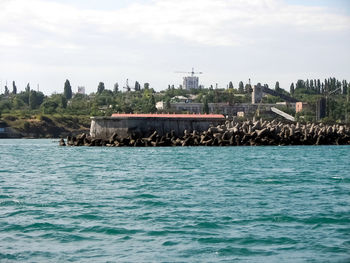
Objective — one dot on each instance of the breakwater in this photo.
(230, 133)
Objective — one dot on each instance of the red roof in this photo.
(168, 115)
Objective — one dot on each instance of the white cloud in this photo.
(228, 39)
(203, 22)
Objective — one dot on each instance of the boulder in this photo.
(62, 143)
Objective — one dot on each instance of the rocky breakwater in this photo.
(246, 133)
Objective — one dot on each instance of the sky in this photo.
(45, 42)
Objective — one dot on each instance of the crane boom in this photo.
(192, 72)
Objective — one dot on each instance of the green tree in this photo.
(167, 103)
(344, 86)
(14, 88)
(116, 88)
(326, 86)
(230, 98)
(146, 85)
(63, 102)
(59, 99)
(300, 84)
(206, 105)
(291, 90)
(24, 96)
(312, 87)
(307, 84)
(18, 103)
(27, 88)
(6, 92)
(100, 88)
(137, 86)
(277, 86)
(248, 88)
(318, 87)
(152, 104)
(49, 107)
(241, 87)
(35, 99)
(230, 85)
(67, 90)
(5, 106)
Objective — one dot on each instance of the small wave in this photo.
(326, 220)
(337, 177)
(13, 202)
(267, 241)
(66, 238)
(211, 225)
(158, 233)
(8, 256)
(88, 217)
(217, 240)
(204, 225)
(39, 227)
(110, 230)
(152, 203)
(242, 251)
(170, 243)
(146, 196)
(250, 240)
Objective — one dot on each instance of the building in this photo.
(240, 114)
(260, 91)
(191, 82)
(257, 94)
(287, 104)
(181, 99)
(81, 90)
(300, 106)
(181, 106)
(145, 124)
(218, 108)
(321, 109)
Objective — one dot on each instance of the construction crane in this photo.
(127, 87)
(190, 82)
(192, 72)
(327, 95)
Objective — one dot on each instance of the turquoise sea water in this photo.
(193, 204)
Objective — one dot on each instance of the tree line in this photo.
(316, 86)
(142, 99)
(102, 102)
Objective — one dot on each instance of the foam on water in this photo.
(215, 204)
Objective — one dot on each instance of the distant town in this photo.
(310, 100)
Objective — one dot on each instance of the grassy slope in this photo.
(47, 126)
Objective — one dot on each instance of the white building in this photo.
(81, 90)
(191, 82)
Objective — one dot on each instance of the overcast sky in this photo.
(46, 42)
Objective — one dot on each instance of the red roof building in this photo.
(168, 115)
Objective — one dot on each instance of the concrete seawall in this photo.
(144, 125)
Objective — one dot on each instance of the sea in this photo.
(173, 204)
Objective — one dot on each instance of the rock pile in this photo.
(246, 133)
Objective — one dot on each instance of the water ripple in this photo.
(173, 204)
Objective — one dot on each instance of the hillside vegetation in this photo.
(33, 114)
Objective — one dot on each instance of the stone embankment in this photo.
(231, 134)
